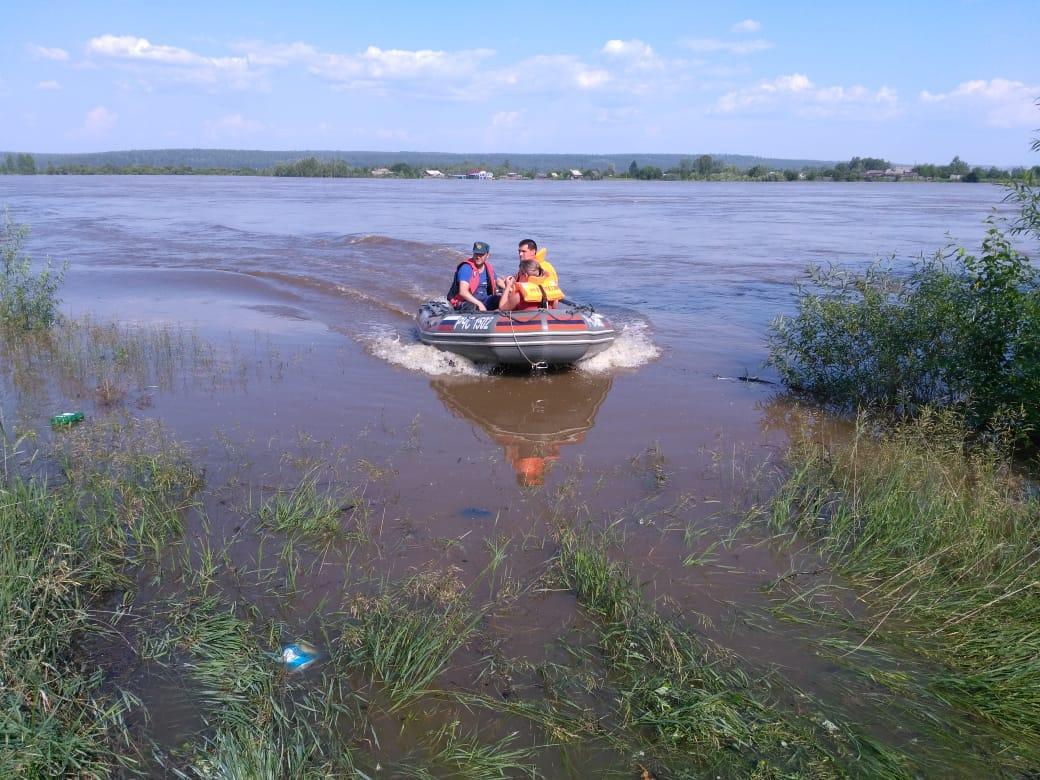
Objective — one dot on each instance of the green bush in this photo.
(28, 300)
(959, 331)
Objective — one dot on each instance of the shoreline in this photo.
(745, 180)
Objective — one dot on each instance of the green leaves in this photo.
(959, 331)
(28, 300)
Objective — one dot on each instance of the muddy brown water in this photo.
(308, 288)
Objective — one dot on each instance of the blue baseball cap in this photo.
(481, 248)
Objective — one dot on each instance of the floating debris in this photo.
(298, 656)
(66, 418)
(745, 378)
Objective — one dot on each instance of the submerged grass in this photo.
(53, 716)
(62, 547)
(943, 541)
(262, 722)
(104, 361)
(308, 509)
(403, 637)
(688, 703)
(259, 723)
(456, 754)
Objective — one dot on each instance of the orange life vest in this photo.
(538, 291)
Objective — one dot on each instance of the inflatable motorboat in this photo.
(531, 337)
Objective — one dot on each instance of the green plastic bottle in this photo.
(66, 418)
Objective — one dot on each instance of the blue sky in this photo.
(907, 81)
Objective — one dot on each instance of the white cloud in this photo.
(591, 78)
(97, 122)
(634, 48)
(47, 53)
(279, 54)
(375, 64)
(174, 62)
(620, 69)
(748, 25)
(132, 48)
(458, 75)
(134, 85)
(709, 45)
(233, 126)
(1006, 103)
(796, 92)
(542, 74)
(48, 86)
(634, 56)
(373, 68)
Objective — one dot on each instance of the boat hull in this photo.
(518, 338)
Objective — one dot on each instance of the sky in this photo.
(908, 81)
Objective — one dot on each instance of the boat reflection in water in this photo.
(531, 417)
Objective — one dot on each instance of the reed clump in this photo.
(943, 539)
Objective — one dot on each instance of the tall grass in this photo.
(53, 716)
(944, 542)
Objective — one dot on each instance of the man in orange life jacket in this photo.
(528, 250)
(474, 284)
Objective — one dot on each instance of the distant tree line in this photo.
(702, 168)
(24, 164)
(705, 168)
(80, 169)
(314, 168)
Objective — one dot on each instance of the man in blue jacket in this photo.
(474, 286)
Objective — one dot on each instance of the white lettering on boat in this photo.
(475, 323)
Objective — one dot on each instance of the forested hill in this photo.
(260, 160)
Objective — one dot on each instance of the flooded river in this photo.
(692, 273)
(309, 288)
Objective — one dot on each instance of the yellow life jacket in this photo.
(540, 290)
(547, 268)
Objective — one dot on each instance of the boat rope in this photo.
(540, 365)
